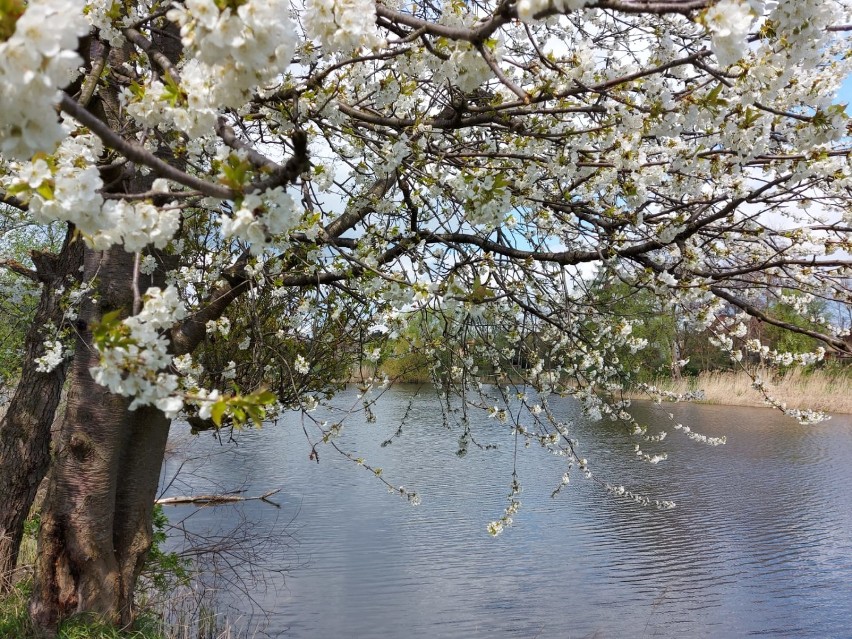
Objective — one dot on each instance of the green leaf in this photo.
(173, 92)
(257, 414)
(10, 11)
(218, 411)
(239, 416)
(265, 397)
(45, 189)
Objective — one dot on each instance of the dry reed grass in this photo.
(827, 391)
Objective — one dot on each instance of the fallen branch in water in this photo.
(215, 500)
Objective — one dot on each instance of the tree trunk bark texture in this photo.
(96, 521)
(25, 428)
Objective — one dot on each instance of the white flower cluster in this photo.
(301, 365)
(99, 14)
(783, 358)
(729, 22)
(64, 186)
(35, 61)
(651, 459)
(236, 51)
(147, 265)
(805, 416)
(487, 199)
(466, 68)
(53, 356)
(667, 278)
(342, 25)
(262, 216)
(188, 369)
(137, 369)
(494, 528)
(660, 394)
(205, 400)
(158, 105)
(698, 437)
(136, 225)
(233, 52)
(643, 500)
(74, 299)
(102, 15)
(527, 9)
(221, 326)
(636, 344)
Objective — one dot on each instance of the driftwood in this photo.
(215, 500)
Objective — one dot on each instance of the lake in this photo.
(760, 542)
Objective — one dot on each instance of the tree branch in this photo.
(835, 342)
(11, 200)
(20, 269)
(215, 500)
(140, 154)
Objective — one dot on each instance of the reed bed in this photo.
(828, 391)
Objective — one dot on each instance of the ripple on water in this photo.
(760, 544)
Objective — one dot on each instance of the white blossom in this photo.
(342, 25)
(38, 59)
(729, 22)
(301, 365)
(53, 356)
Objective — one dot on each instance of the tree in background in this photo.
(805, 311)
(19, 289)
(38, 282)
(255, 186)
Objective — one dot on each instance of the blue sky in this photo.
(845, 94)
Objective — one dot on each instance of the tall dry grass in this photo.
(829, 391)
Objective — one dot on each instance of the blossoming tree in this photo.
(254, 190)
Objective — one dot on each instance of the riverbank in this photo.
(170, 603)
(160, 618)
(14, 622)
(828, 391)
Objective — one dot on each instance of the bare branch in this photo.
(20, 269)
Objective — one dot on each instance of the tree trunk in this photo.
(96, 525)
(142, 459)
(25, 428)
(676, 359)
(96, 521)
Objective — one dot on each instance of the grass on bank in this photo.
(15, 623)
(170, 607)
(155, 623)
(825, 390)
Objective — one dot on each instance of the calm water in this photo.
(760, 543)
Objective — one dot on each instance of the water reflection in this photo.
(760, 543)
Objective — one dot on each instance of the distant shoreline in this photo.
(818, 390)
(827, 391)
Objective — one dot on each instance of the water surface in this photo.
(760, 542)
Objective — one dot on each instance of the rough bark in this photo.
(77, 570)
(25, 427)
(96, 527)
(139, 468)
(96, 521)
